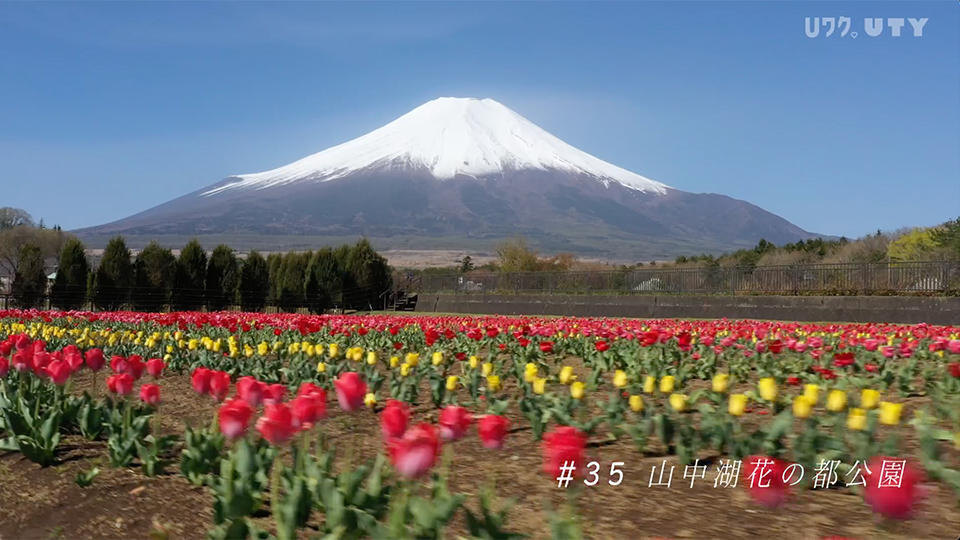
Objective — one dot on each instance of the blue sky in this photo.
(107, 109)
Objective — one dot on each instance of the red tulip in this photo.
(954, 346)
(155, 367)
(454, 422)
(602, 346)
(21, 362)
(394, 419)
(546, 347)
(121, 383)
(273, 393)
(954, 369)
(150, 393)
(793, 380)
(276, 424)
(219, 385)
(58, 372)
(118, 364)
(761, 346)
(74, 360)
(871, 344)
(763, 477)
(891, 487)
(563, 444)
(94, 359)
(493, 430)
(250, 390)
(40, 361)
(416, 452)
(350, 391)
(235, 417)
(134, 366)
(4, 367)
(308, 409)
(200, 379)
(5, 348)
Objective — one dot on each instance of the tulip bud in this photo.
(577, 390)
(836, 401)
(667, 383)
(636, 403)
(678, 402)
(857, 419)
(451, 383)
(738, 403)
(768, 388)
(720, 382)
(812, 392)
(620, 379)
(493, 383)
(802, 407)
(869, 399)
(890, 413)
(649, 384)
(539, 386)
(370, 400)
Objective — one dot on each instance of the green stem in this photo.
(275, 495)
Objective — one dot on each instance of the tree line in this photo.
(349, 276)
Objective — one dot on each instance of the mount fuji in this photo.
(459, 173)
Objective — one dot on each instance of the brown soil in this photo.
(45, 503)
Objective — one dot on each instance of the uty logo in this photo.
(872, 26)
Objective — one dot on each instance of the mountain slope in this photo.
(463, 170)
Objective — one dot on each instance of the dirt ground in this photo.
(45, 503)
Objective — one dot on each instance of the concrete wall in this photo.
(890, 309)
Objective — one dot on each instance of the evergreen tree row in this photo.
(350, 277)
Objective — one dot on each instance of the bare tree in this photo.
(14, 217)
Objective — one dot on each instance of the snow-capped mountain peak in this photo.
(448, 137)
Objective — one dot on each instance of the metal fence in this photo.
(900, 278)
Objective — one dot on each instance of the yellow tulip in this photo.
(738, 403)
(649, 384)
(405, 370)
(539, 386)
(678, 402)
(394, 361)
(372, 358)
(720, 382)
(357, 355)
(451, 383)
(321, 367)
(309, 349)
(566, 375)
(437, 358)
(836, 401)
(802, 406)
(334, 350)
(577, 390)
(413, 358)
(370, 400)
(167, 357)
(890, 413)
(857, 419)
(486, 369)
(493, 383)
(192, 344)
(667, 383)
(812, 392)
(869, 399)
(620, 379)
(768, 388)
(636, 403)
(263, 349)
(474, 362)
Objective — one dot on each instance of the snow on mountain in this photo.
(449, 137)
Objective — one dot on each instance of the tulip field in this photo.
(246, 425)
